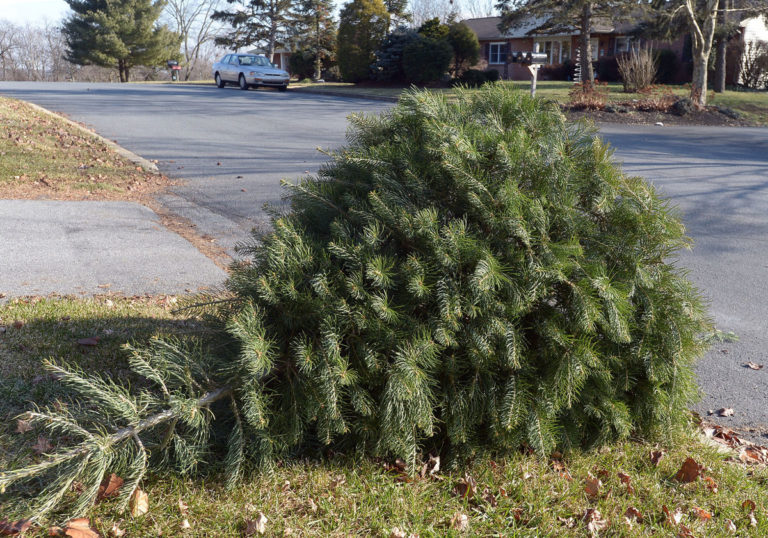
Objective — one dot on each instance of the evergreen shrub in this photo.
(474, 78)
(426, 59)
(463, 277)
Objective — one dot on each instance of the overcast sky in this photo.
(33, 11)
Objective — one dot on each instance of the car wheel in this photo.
(282, 88)
(243, 84)
(219, 81)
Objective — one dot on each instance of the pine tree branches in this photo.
(469, 276)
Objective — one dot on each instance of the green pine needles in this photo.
(464, 276)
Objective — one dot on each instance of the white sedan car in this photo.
(249, 70)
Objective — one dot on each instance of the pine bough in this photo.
(463, 277)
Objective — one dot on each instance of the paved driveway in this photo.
(232, 147)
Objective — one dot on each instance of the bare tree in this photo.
(424, 10)
(8, 33)
(478, 8)
(191, 19)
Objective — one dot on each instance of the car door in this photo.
(221, 67)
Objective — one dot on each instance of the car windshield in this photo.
(253, 60)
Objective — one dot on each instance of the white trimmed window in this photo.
(497, 53)
(557, 50)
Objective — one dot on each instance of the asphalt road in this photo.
(232, 148)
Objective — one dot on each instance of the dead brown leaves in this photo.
(109, 487)
(139, 503)
(752, 366)
(689, 471)
(14, 528)
(256, 526)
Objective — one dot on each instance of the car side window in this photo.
(233, 59)
(225, 60)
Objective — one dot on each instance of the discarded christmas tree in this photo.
(462, 277)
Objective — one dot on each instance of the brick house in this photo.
(608, 40)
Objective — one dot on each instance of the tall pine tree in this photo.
(119, 34)
(256, 22)
(363, 25)
(312, 28)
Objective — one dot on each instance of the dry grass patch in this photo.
(44, 157)
(621, 490)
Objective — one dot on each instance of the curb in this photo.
(131, 156)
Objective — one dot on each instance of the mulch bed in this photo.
(710, 116)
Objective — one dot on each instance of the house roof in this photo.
(488, 28)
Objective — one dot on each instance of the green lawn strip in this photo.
(516, 495)
(753, 105)
(42, 155)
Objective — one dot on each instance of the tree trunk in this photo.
(587, 73)
(699, 80)
(722, 46)
(702, 36)
(318, 62)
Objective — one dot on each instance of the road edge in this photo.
(127, 154)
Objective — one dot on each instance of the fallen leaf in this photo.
(710, 482)
(42, 446)
(397, 533)
(750, 505)
(568, 523)
(90, 341)
(627, 481)
(689, 471)
(460, 522)
(701, 514)
(183, 507)
(684, 532)
(139, 504)
(594, 521)
(116, 531)
(431, 467)
(753, 454)
(185, 524)
(592, 486)
(311, 505)
(725, 412)
(54, 531)
(489, 497)
(673, 518)
(655, 456)
(633, 513)
(23, 426)
(466, 488)
(18, 324)
(80, 528)
(109, 487)
(256, 526)
(730, 527)
(754, 366)
(12, 528)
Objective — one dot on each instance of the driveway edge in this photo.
(131, 156)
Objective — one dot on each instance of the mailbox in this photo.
(174, 66)
(529, 58)
(533, 61)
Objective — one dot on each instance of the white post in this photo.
(534, 69)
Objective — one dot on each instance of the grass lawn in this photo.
(42, 156)
(753, 105)
(513, 495)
